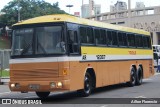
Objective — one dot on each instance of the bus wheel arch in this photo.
(93, 76)
(89, 83)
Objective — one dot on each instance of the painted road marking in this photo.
(104, 106)
(141, 96)
(31, 97)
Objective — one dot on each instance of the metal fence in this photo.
(4, 58)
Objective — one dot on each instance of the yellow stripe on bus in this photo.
(114, 51)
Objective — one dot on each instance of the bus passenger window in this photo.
(109, 39)
(100, 36)
(139, 41)
(115, 41)
(149, 42)
(90, 37)
(103, 37)
(73, 41)
(122, 39)
(145, 44)
(131, 40)
(86, 35)
(97, 36)
(83, 34)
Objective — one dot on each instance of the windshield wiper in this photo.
(26, 47)
(44, 51)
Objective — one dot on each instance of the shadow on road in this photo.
(74, 98)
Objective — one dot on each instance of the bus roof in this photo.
(73, 19)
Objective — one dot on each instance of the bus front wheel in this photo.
(42, 94)
(87, 86)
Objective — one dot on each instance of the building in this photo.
(90, 9)
(148, 18)
(139, 5)
(119, 6)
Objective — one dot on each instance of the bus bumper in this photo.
(40, 86)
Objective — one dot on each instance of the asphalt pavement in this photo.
(149, 89)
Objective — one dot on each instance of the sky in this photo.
(105, 4)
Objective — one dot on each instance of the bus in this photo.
(66, 53)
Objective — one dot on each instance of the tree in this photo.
(28, 9)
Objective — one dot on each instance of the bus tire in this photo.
(132, 81)
(42, 94)
(139, 76)
(86, 91)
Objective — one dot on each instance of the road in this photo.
(149, 89)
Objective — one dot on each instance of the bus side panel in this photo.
(102, 74)
(113, 70)
(77, 73)
(124, 67)
(146, 69)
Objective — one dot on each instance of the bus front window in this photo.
(22, 42)
(50, 40)
(39, 40)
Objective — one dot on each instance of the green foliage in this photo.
(28, 9)
(4, 43)
(4, 73)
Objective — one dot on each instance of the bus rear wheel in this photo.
(87, 86)
(139, 76)
(42, 94)
(132, 81)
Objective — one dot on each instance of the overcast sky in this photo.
(105, 4)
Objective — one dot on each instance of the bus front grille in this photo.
(33, 75)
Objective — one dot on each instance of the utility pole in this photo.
(129, 13)
(19, 15)
(82, 10)
(129, 8)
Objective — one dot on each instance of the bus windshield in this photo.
(39, 40)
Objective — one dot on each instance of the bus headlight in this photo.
(52, 85)
(59, 84)
(12, 85)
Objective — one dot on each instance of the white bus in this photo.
(156, 54)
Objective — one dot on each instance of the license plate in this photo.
(34, 86)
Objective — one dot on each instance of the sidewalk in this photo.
(4, 88)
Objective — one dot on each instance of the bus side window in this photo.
(73, 42)
(90, 37)
(149, 42)
(109, 38)
(131, 40)
(145, 44)
(139, 41)
(83, 34)
(122, 39)
(115, 39)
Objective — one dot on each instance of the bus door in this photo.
(73, 43)
(74, 55)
